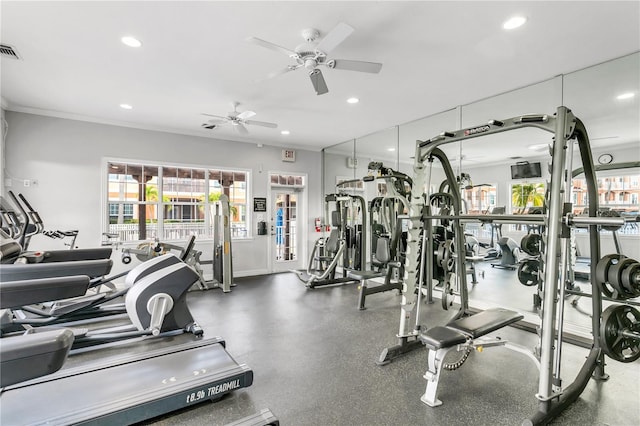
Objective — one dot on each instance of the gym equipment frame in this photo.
(552, 396)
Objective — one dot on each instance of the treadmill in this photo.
(140, 382)
(127, 389)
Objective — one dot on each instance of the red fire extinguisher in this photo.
(318, 224)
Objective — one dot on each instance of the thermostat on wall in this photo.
(289, 155)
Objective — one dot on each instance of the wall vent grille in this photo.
(9, 51)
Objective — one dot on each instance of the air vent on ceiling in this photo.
(9, 51)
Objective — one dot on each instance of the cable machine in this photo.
(222, 264)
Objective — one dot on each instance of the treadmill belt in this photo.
(127, 389)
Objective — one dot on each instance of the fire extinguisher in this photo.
(318, 224)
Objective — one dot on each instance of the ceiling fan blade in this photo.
(318, 82)
(216, 121)
(362, 66)
(245, 114)
(214, 116)
(261, 123)
(279, 72)
(272, 46)
(334, 37)
(241, 129)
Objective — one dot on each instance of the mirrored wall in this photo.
(605, 97)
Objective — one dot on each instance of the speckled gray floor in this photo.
(313, 355)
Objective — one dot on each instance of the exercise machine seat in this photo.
(477, 325)
(442, 337)
(485, 322)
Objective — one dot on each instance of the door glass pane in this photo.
(285, 226)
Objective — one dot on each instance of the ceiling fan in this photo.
(236, 119)
(313, 53)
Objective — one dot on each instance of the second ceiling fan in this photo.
(313, 53)
(236, 119)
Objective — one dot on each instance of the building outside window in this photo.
(172, 202)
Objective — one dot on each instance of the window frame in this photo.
(161, 204)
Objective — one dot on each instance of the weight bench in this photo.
(461, 334)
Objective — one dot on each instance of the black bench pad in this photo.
(485, 322)
(441, 337)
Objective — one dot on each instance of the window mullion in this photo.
(160, 204)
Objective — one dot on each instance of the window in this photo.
(526, 195)
(619, 192)
(479, 199)
(172, 202)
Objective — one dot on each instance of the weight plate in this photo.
(528, 272)
(609, 213)
(615, 321)
(614, 275)
(603, 266)
(530, 244)
(602, 270)
(450, 246)
(440, 255)
(447, 291)
(630, 279)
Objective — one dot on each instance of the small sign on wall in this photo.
(289, 155)
(259, 204)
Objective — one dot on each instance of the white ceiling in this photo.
(195, 58)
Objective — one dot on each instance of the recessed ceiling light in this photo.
(391, 149)
(131, 41)
(627, 95)
(353, 100)
(285, 132)
(126, 106)
(514, 22)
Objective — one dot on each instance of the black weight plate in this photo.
(615, 278)
(447, 291)
(616, 319)
(603, 266)
(528, 272)
(440, 255)
(530, 244)
(630, 279)
(602, 270)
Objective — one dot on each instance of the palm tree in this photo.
(151, 194)
(530, 194)
(215, 196)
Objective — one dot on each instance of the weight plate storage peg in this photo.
(620, 333)
(530, 244)
(528, 272)
(631, 279)
(602, 272)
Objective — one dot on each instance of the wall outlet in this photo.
(27, 182)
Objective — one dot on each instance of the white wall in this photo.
(65, 157)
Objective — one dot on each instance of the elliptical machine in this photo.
(156, 305)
